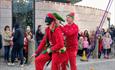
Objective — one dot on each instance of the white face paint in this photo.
(28, 29)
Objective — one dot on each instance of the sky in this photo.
(101, 4)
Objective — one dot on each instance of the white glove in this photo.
(62, 50)
(49, 50)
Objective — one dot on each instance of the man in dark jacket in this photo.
(18, 41)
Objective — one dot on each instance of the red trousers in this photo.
(72, 59)
(41, 60)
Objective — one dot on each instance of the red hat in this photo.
(51, 16)
(72, 14)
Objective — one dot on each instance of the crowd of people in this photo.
(15, 44)
(58, 41)
(103, 41)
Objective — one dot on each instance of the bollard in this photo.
(84, 57)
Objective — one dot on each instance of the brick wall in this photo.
(5, 13)
(42, 8)
(86, 17)
(90, 18)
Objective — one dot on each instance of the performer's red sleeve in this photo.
(41, 46)
(59, 40)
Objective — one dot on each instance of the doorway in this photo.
(23, 12)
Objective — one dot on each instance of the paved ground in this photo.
(94, 64)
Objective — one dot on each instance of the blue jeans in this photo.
(17, 49)
(6, 53)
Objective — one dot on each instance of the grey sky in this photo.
(101, 4)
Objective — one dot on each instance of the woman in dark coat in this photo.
(39, 35)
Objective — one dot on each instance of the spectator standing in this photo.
(18, 40)
(92, 43)
(80, 48)
(85, 45)
(112, 29)
(107, 41)
(86, 34)
(92, 40)
(27, 39)
(39, 35)
(7, 35)
(100, 45)
(25, 50)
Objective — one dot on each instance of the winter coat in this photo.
(7, 38)
(85, 44)
(107, 42)
(100, 45)
(18, 38)
(39, 36)
(81, 43)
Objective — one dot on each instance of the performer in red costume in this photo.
(54, 37)
(70, 31)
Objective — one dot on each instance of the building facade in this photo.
(31, 13)
(86, 17)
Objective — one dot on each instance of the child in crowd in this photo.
(80, 51)
(100, 45)
(92, 43)
(107, 41)
(85, 45)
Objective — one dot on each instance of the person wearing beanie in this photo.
(70, 31)
(72, 14)
(50, 46)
